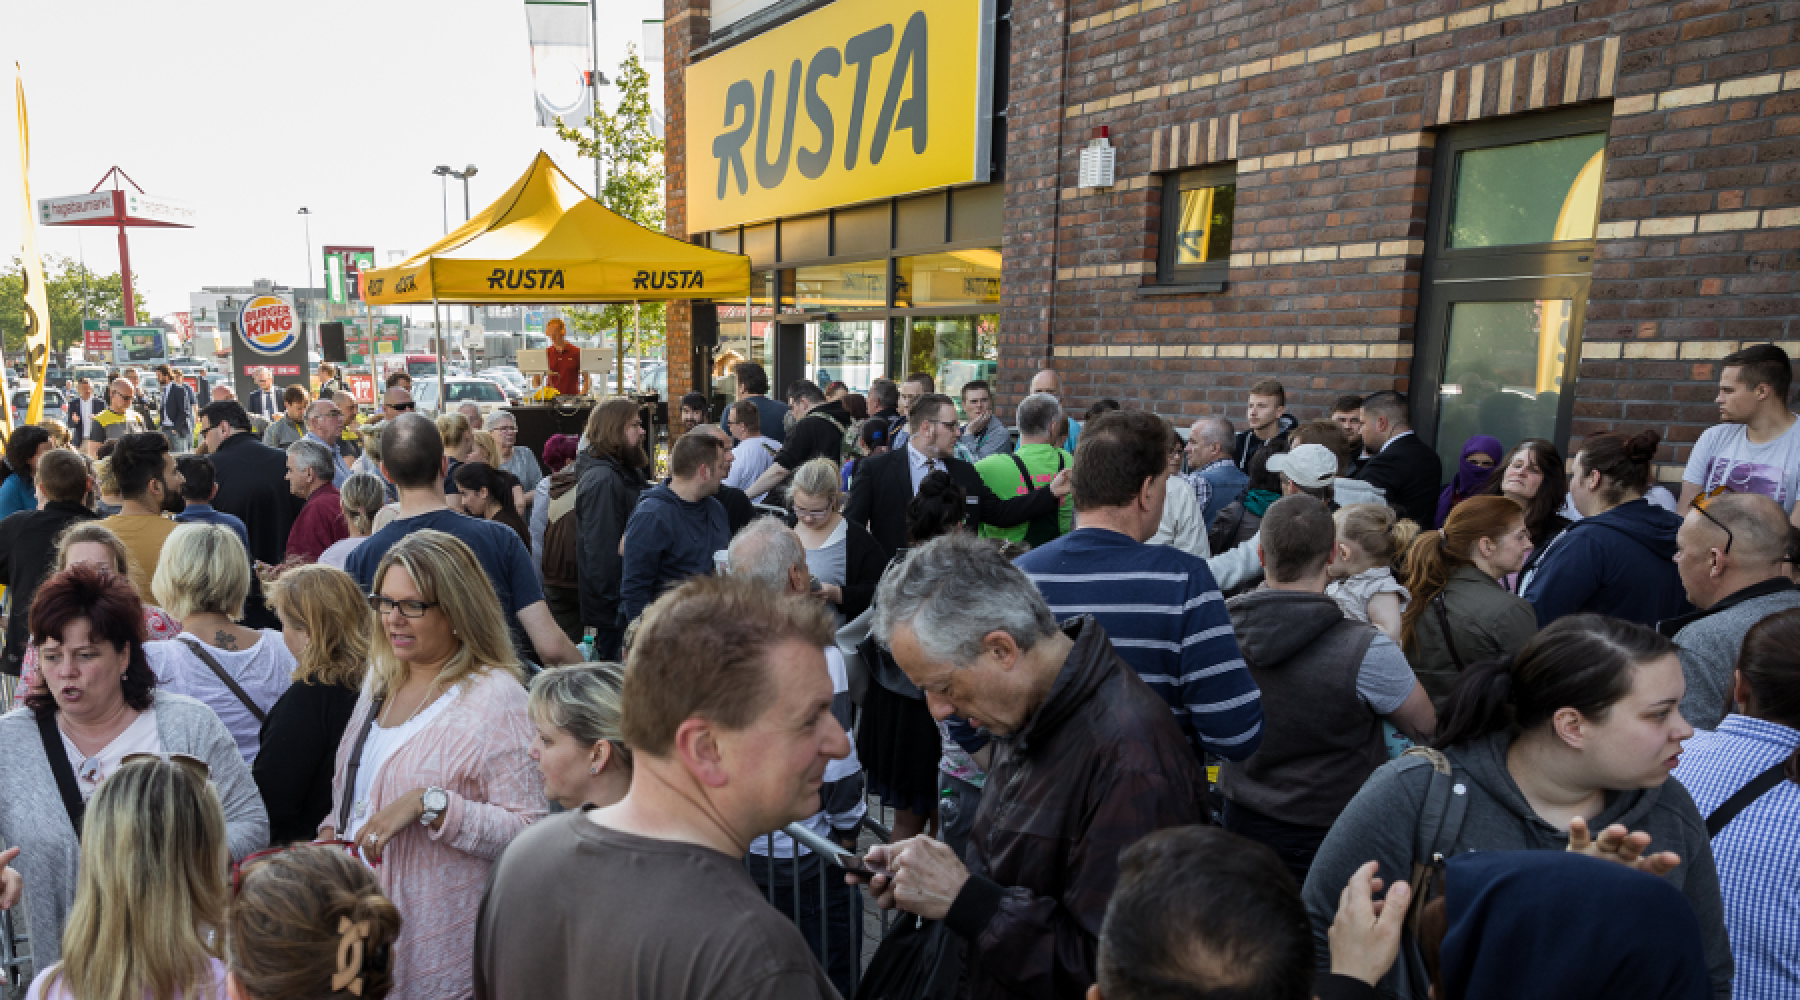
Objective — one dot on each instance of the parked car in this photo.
(54, 405)
(485, 393)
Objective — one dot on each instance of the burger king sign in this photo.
(267, 325)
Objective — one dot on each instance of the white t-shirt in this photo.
(750, 459)
(264, 671)
(141, 736)
(1725, 457)
(382, 744)
(338, 552)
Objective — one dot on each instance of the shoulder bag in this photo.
(353, 765)
(1740, 800)
(225, 678)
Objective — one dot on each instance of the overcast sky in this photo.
(249, 111)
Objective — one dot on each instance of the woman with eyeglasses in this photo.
(1619, 558)
(326, 627)
(845, 559)
(310, 923)
(148, 909)
(434, 774)
(93, 704)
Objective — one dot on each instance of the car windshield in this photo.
(476, 392)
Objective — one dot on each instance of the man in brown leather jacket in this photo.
(1088, 759)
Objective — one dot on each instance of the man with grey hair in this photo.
(321, 522)
(472, 413)
(1731, 553)
(1216, 479)
(325, 421)
(1037, 460)
(1084, 748)
(769, 553)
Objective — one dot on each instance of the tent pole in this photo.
(437, 340)
(637, 349)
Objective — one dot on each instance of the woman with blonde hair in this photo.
(151, 893)
(579, 749)
(434, 775)
(610, 475)
(486, 449)
(459, 447)
(362, 498)
(326, 625)
(203, 579)
(845, 559)
(92, 544)
(310, 923)
(1460, 613)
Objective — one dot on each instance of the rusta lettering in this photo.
(373, 285)
(525, 279)
(896, 114)
(660, 280)
(405, 285)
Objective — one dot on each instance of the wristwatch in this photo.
(435, 800)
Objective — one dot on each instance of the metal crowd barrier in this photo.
(11, 959)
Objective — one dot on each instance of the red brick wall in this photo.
(1334, 111)
(686, 24)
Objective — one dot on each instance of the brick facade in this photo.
(685, 27)
(1332, 113)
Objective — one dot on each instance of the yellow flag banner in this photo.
(37, 301)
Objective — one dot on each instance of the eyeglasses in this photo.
(200, 768)
(811, 515)
(408, 609)
(238, 870)
(1700, 504)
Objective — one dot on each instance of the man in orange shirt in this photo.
(565, 361)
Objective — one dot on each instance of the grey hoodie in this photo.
(1380, 823)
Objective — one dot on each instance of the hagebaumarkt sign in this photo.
(862, 99)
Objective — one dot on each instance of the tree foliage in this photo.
(66, 288)
(632, 158)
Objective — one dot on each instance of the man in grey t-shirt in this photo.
(727, 713)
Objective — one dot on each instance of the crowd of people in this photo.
(307, 704)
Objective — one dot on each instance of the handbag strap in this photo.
(225, 678)
(354, 764)
(1443, 616)
(60, 767)
(1741, 799)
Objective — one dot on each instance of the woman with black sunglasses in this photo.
(92, 705)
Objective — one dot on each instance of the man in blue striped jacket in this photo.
(1158, 604)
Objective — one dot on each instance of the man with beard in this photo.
(149, 485)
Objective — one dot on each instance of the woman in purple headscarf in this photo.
(1480, 455)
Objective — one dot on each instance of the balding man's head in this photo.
(412, 452)
(1046, 381)
(118, 394)
(1209, 440)
(221, 393)
(1733, 541)
(394, 402)
(770, 553)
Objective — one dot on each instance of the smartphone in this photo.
(859, 868)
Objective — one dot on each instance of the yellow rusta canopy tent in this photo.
(546, 241)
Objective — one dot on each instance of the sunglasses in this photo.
(402, 407)
(1700, 504)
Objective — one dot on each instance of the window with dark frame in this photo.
(1198, 211)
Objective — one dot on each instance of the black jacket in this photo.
(882, 489)
(608, 493)
(1410, 475)
(298, 757)
(27, 550)
(253, 486)
(1246, 444)
(864, 561)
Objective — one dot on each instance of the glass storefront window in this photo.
(1503, 373)
(1528, 193)
(850, 351)
(956, 278)
(829, 287)
(954, 349)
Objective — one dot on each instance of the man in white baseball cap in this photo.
(1306, 468)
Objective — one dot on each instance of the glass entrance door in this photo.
(952, 349)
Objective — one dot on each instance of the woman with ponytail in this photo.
(310, 923)
(1757, 862)
(1460, 613)
(1569, 745)
(1619, 558)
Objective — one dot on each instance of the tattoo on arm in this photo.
(224, 640)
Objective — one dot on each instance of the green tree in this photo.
(632, 156)
(67, 284)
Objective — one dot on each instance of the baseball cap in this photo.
(1310, 466)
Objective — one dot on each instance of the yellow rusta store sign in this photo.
(860, 100)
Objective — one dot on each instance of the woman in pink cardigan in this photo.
(434, 774)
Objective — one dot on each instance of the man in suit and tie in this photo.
(252, 486)
(264, 401)
(885, 484)
(1405, 468)
(81, 413)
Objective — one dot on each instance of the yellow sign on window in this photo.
(1195, 234)
(859, 100)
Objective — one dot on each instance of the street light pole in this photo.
(463, 175)
(306, 214)
(444, 173)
